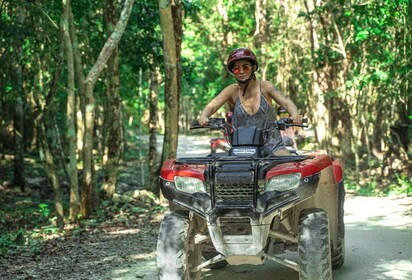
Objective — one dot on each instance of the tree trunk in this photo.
(261, 34)
(51, 173)
(79, 76)
(70, 113)
(40, 123)
(19, 144)
(320, 114)
(90, 81)
(227, 41)
(153, 163)
(113, 120)
(169, 25)
(18, 111)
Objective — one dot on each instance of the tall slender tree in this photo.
(71, 111)
(171, 23)
(89, 113)
(113, 119)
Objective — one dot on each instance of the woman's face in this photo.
(242, 69)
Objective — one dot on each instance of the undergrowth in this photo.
(28, 223)
(402, 187)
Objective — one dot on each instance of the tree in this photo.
(70, 112)
(18, 108)
(171, 24)
(113, 119)
(90, 81)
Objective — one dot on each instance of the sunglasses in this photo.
(246, 68)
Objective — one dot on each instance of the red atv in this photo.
(241, 208)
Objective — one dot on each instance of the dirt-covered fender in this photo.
(326, 198)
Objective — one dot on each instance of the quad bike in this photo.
(240, 207)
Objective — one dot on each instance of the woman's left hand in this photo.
(297, 119)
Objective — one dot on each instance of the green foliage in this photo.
(44, 210)
(402, 187)
(370, 189)
(10, 240)
(24, 222)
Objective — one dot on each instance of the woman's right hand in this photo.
(203, 120)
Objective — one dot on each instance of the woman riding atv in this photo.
(252, 100)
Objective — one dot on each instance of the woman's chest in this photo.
(253, 102)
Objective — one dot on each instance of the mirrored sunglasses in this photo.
(245, 68)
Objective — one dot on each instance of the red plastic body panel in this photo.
(338, 171)
(170, 169)
(306, 167)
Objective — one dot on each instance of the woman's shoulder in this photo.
(231, 89)
(266, 85)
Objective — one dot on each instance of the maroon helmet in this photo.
(241, 53)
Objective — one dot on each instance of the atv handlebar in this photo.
(284, 123)
(221, 124)
(213, 123)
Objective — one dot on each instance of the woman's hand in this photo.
(297, 119)
(203, 120)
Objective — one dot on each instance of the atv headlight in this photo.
(189, 184)
(283, 183)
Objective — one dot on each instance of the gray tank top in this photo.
(262, 118)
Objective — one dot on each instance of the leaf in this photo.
(362, 35)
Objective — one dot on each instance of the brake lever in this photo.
(196, 125)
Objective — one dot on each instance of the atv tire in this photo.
(338, 255)
(314, 246)
(177, 252)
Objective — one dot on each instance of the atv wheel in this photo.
(177, 252)
(338, 255)
(314, 246)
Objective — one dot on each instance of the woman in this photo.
(251, 100)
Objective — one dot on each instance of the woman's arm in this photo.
(283, 101)
(217, 102)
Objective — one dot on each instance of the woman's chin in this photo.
(242, 79)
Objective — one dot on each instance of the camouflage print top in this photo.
(262, 118)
